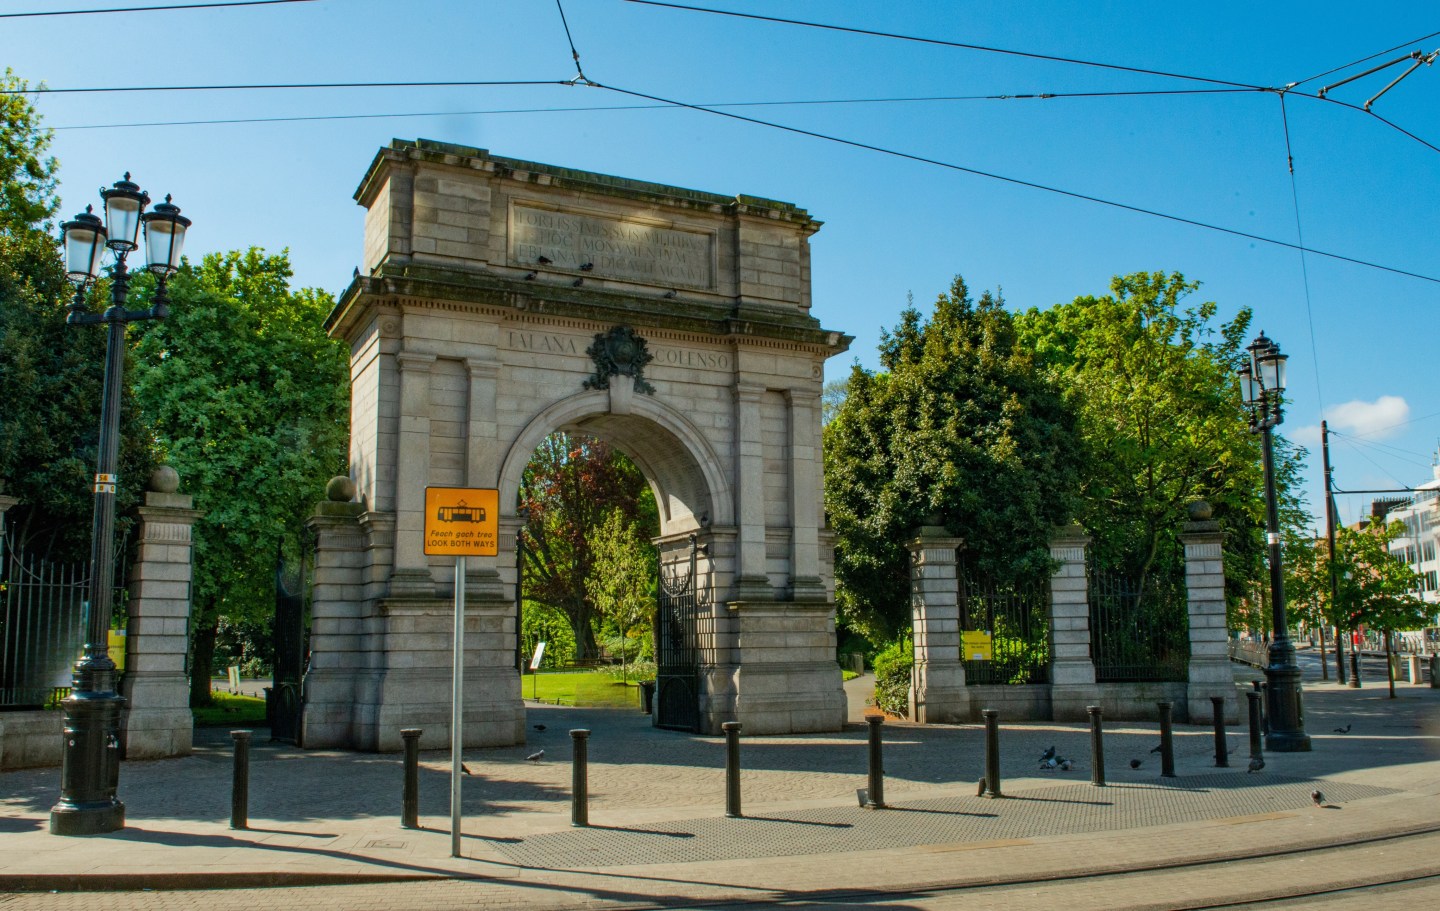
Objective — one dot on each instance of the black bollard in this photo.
(1259, 687)
(877, 764)
(1097, 747)
(410, 803)
(1167, 742)
(1217, 709)
(579, 777)
(732, 768)
(1253, 697)
(240, 782)
(992, 752)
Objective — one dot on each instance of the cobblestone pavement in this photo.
(660, 837)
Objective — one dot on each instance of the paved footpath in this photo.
(659, 836)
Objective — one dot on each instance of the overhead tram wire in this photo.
(1388, 50)
(1300, 239)
(921, 159)
(148, 9)
(1043, 96)
(44, 90)
(1362, 454)
(873, 33)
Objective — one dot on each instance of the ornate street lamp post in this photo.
(1262, 384)
(90, 769)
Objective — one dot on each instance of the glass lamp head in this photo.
(164, 238)
(123, 204)
(84, 246)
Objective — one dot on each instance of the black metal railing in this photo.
(42, 628)
(1139, 627)
(1016, 615)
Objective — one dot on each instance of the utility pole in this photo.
(1330, 536)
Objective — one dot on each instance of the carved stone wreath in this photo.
(619, 352)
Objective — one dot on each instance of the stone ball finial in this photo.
(164, 480)
(1200, 511)
(340, 489)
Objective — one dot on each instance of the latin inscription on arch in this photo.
(616, 247)
(664, 355)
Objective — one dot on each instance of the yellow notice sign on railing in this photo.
(975, 645)
(462, 521)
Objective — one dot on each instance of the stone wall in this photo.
(30, 739)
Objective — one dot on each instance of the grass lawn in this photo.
(231, 710)
(585, 688)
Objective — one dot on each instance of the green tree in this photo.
(1378, 589)
(27, 170)
(570, 486)
(1151, 378)
(51, 373)
(958, 428)
(248, 399)
(622, 577)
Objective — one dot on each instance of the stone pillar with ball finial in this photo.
(156, 722)
(1210, 673)
(339, 652)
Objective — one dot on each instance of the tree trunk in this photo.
(202, 658)
(1324, 666)
(584, 632)
(1389, 663)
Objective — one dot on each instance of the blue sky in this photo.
(1362, 341)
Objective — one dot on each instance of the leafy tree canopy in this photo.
(957, 428)
(51, 373)
(1151, 379)
(571, 486)
(248, 399)
(27, 170)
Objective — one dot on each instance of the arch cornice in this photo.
(596, 403)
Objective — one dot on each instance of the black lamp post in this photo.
(90, 771)
(1262, 383)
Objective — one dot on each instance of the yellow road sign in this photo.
(462, 521)
(976, 645)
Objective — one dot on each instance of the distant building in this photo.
(1419, 545)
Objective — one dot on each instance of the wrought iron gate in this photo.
(288, 637)
(1017, 617)
(1139, 631)
(42, 625)
(677, 651)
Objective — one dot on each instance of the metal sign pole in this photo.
(457, 689)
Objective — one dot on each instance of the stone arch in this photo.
(682, 467)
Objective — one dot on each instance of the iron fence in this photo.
(42, 628)
(1139, 627)
(43, 619)
(1017, 617)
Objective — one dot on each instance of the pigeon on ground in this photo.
(586, 267)
(1134, 763)
(1256, 764)
(530, 276)
(1048, 754)
(535, 756)
(543, 260)
(1345, 729)
(1317, 798)
(1048, 765)
(669, 295)
(980, 792)
(539, 727)
(1066, 765)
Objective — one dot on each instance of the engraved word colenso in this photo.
(664, 355)
(619, 248)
